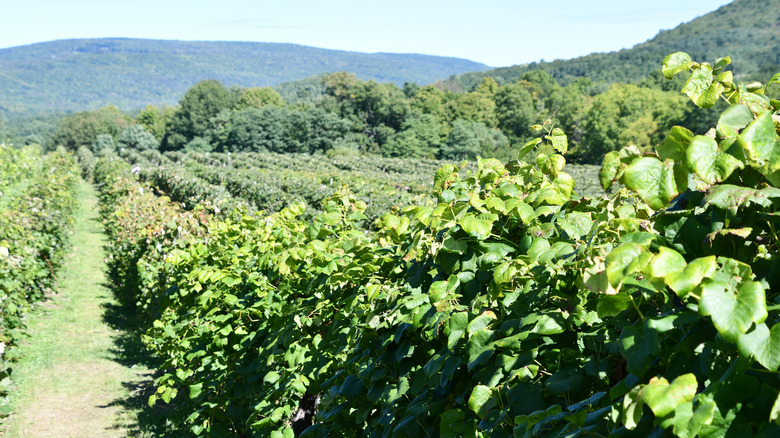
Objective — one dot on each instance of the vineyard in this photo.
(269, 182)
(294, 295)
(37, 198)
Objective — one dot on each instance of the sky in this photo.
(494, 32)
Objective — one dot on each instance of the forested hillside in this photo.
(355, 117)
(131, 73)
(748, 30)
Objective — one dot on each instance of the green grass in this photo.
(84, 372)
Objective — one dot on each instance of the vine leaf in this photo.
(732, 120)
(675, 63)
(683, 282)
(558, 140)
(479, 400)
(761, 146)
(733, 313)
(610, 169)
(623, 261)
(774, 415)
(702, 87)
(653, 180)
(551, 165)
(639, 346)
(763, 345)
(731, 197)
(709, 163)
(478, 227)
(663, 397)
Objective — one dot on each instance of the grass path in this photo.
(76, 379)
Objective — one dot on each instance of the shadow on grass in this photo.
(162, 420)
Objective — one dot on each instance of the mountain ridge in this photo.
(132, 73)
(748, 31)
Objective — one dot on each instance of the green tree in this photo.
(136, 138)
(468, 140)
(155, 120)
(420, 137)
(254, 130)
(257, 97)
(200, 104)
(82, 129)
(629, 114)
(430, 100)
(476, 106)
(315, 130)
(516, 112)
(103, 142)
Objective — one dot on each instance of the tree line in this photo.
(351, 117)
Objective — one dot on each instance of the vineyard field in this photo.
(496, 303)
(268, 182)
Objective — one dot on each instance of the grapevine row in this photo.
(37, 199)
(507, 307)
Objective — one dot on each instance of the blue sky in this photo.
(494, 32)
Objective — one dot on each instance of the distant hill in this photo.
(130, 73)
(746, 30)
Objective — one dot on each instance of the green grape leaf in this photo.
(774, 414)
(733, 313)
(675, 63)
(576, 224)
(195, 390)
(478, 226)
(663, 397)
(760, 144)
(479, 400)
(452, 424)
(665, 262)
(456, 327)
(610, 169)
(452, 245)
(558, 140)
(528, 147)
(702, 87)
(612, 305)
(735, 118)
(632, 407)
(443, 177)
(551, 165)
(479, 348)
(731, 197)
(709, 163)
(685, 281)
(653, 180)
(675, 144)
(639, 346)
(721, 63)
(563, 185)
(623, 261)
(763, 345)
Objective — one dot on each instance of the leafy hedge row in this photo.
(38, 198)
(506, 309)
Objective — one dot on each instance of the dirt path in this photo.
(75, 379)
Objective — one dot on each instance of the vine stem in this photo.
(636, 307)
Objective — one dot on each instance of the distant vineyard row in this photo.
(268, 182)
